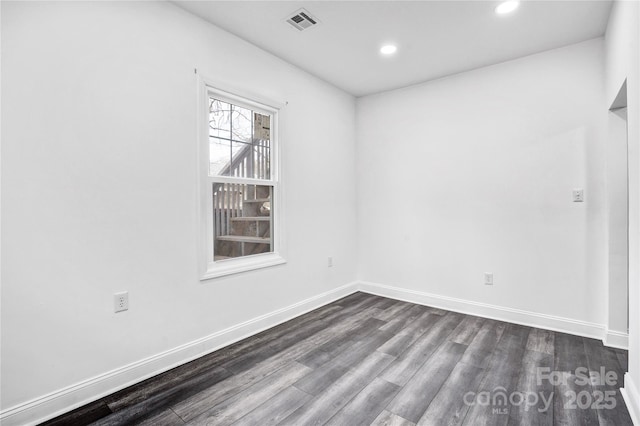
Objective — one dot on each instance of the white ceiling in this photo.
(434, 38)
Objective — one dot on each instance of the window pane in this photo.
(219, 155)
(242, 220)
(262, 160)
(262, 127)
(239, 141)
(219, 119)
(241, 161)
(241, 124)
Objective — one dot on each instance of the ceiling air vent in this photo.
(301, 20)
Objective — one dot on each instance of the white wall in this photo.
(623, 62)
(468, 174)
(474, 173)
(99, 188)
(617, 218)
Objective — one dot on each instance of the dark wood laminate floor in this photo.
(369, 360)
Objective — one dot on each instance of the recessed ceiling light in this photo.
(507, 7)
(388, 49)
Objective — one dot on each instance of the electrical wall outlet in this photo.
(488, 278)
(121, 301)
(578, 195)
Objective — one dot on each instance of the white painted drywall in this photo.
(623, 62)
(99, 188)
(617, 212)
(464, 175)
(474, 173)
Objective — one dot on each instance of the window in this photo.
(239, 188)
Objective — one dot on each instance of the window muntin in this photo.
(239, 141)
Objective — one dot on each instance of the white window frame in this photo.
(208, 267)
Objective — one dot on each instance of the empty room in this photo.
(326, 212)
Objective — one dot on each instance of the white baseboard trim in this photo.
(517, 316)
(631, 398)
(59, 402)
(66, 399)
(616, 339)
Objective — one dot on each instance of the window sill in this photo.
(243, 264)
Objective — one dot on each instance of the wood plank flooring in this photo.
(369, 360)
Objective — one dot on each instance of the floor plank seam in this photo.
(177, 415)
